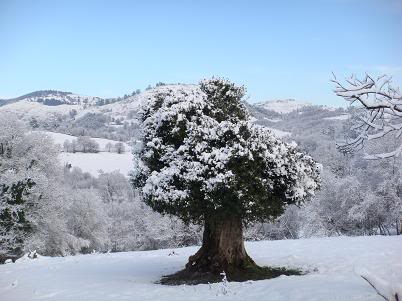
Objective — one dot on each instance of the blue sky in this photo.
(278, 49)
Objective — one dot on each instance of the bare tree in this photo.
(67, 146)
(108, 147)
(380, 105)
(119, 147)
(87, 145)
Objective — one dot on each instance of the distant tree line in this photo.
(85, 144)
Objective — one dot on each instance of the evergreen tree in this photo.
(203, 161)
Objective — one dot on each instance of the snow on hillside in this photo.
(273, 120)
(333, 265)
(24, 110)
(134, 103)
(95, 162)
(252, 119)
(36, 104)
(54, 98)
(283, 106)
(276, 132)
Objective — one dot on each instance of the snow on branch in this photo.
(383, 288)
(380, 105)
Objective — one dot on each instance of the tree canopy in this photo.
(202, 157)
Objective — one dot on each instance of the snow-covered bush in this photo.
(87, 219)
(348, 206)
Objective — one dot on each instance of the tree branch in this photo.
(383, 112)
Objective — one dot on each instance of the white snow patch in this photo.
(94, 163)
(272, 120)
(339, 117)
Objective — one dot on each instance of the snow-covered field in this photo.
(103, 161)
(95, 162)
(332, 263)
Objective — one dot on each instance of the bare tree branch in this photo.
(381, 105)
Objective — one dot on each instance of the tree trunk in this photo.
(222, 248)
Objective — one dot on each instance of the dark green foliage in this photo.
(13, 214)
(225, 99)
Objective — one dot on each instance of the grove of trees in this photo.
(82, 144)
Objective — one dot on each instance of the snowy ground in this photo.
(131, 275)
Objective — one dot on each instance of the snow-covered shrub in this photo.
(347, 206)
(87, 219)
(27, 162)
(133, 225)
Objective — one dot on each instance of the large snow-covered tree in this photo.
(380, 113)
(203, 161)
